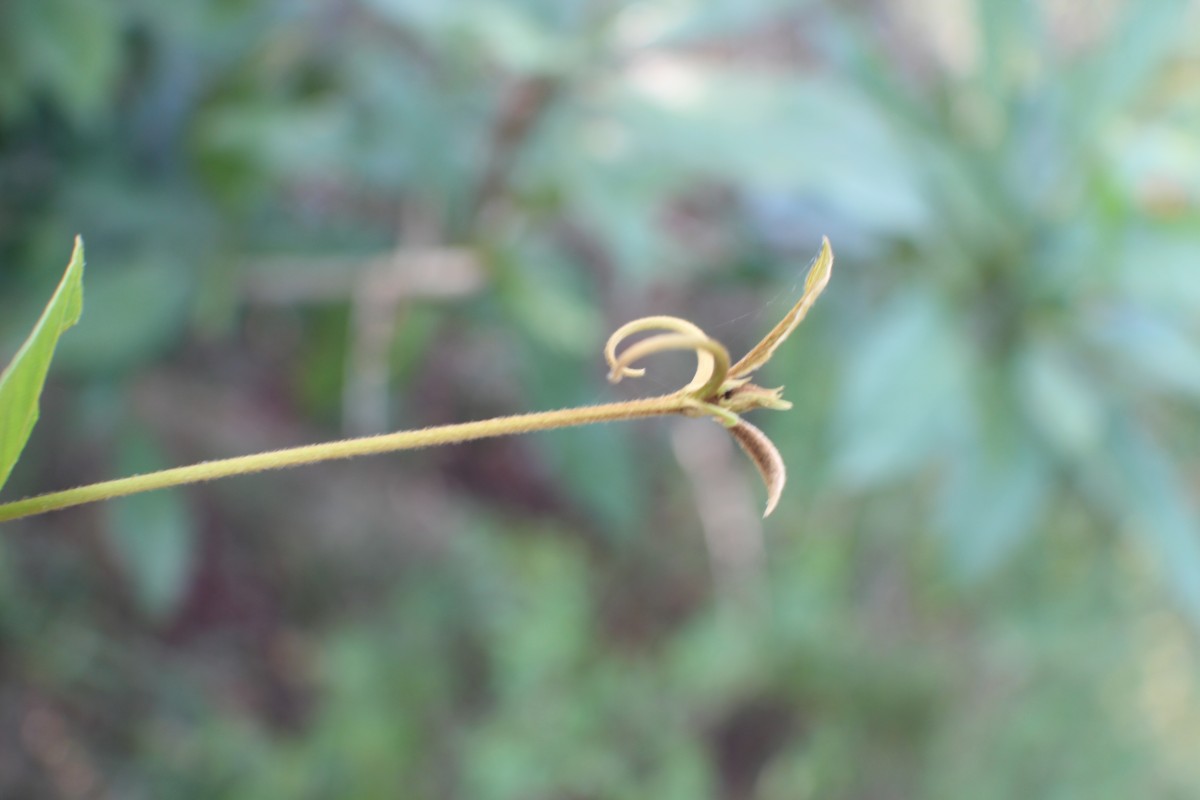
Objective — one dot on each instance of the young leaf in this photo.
(814, 284)
(21, 382)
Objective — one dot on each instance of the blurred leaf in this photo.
(601, 465)
(618, 194)
(819, 137)
(518, 41)
(135, 313)
(534, 642)
(991, 499)
(673, 122)
(1152, 347)
(903, 395)
(1141, 41)
(1158, 269)
(1060, 398)
(1010, 32)
(68, 49)
(683, 23)
(279, 137)
(22, 380)
(604, 469)
(718, 655)
(152, 535)
(1142, 484)
(545, 296)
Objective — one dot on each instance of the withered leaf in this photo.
(766, 458)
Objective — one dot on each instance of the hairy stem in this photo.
(347, 448)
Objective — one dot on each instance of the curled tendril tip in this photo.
(718, 389)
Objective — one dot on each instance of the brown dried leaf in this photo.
(766, 457)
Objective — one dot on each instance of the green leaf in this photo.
(22, 380)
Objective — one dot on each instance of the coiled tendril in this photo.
(717, 389)
(712, 359)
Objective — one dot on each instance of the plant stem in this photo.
(347, 448)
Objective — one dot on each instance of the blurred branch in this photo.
(376, 289)
(436, 273)
(525, 103)
(376, 307)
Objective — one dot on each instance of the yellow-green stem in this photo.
(347, 448)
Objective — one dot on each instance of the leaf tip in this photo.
(820, 271)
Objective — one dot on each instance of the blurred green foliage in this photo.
(984, 579)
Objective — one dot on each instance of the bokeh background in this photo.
(314, 219)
